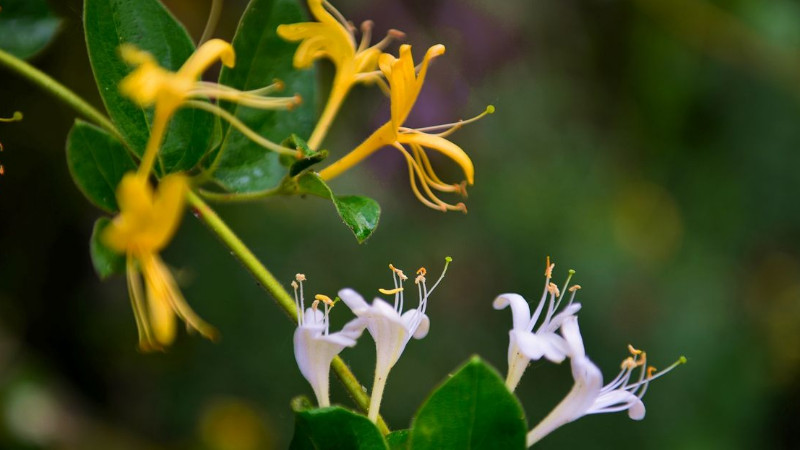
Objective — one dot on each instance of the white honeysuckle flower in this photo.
(589, 396)
(314, 345)
(390, 327)
(525, 344)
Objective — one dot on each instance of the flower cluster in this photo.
(332, 38)
(390, 327)
(588, 395)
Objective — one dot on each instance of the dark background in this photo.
(652, 145)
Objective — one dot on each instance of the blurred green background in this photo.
(649, 144)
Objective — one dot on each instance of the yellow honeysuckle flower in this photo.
(146, 223)
(332, 37)
(405, 84)
(151, 85)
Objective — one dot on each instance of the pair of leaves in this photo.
(472, 409)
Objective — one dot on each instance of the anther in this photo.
(420, 279)
(628, 363)
(574, 288)
(548, 271)
(390, 291)
(650, 371)
(633, 350)
(553, 289)
(422, 271)
(315, 305)
(324, 299)
(396, 34)
(294, 284)
(366, 26)
(300, 277)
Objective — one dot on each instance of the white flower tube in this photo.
(589, 396)
(390, 327)
(314, 346)
(525, 344)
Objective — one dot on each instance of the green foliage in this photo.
(360, 214)
(473, 409)
(261, 58)
(335, 428)
(97, 162)
(310, 157)
(106, 261)
(27, 26)
(149, 26)
(398, 440)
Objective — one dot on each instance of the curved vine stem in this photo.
(202, 211)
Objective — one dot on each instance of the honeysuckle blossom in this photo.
(149, 84)
(589, 396)
(146, 223)
(525, 344)
(390, 327)
(314, 345)
(405, 84)
(332, 38)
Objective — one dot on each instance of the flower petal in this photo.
(353, 300)
(520, 311)
(535, 346)
(572, 335)
(443, 146)
(418, 324)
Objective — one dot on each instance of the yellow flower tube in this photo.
(405, 83)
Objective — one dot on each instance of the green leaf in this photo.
(360, 214)
(335, 428)
(398, 440)
(106, 261)
(97, 162)
(149, 26)
(261, 58)
(474, 410)
(310, 157)
(27, 27)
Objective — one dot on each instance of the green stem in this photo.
(58, 90)
(273, 286)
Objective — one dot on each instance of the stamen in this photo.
(548, 271)
(450, 128)
(575, 288)
(315, 305)
(300, 277)
(553, 289)
(420, 279)
(422, 271)
(432, 201)
(16, 117)
(345, 23)
(211, 22)
(324, 299)
(390, 291)
(633, 350)
(650, 371)
(242, 128)
(366, 35)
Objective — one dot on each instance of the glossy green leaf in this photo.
(149, 26)
(26, 26)
(360, 214)
(106, 261)
(97, 162)
(398, 440)
(474, 410)
(261, 58)
(335, 428)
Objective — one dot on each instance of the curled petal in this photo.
(418, 323)
(353, 300)
(535, 346)
(520, 311)
(572, 335)
(206, 55)
(443, 146)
